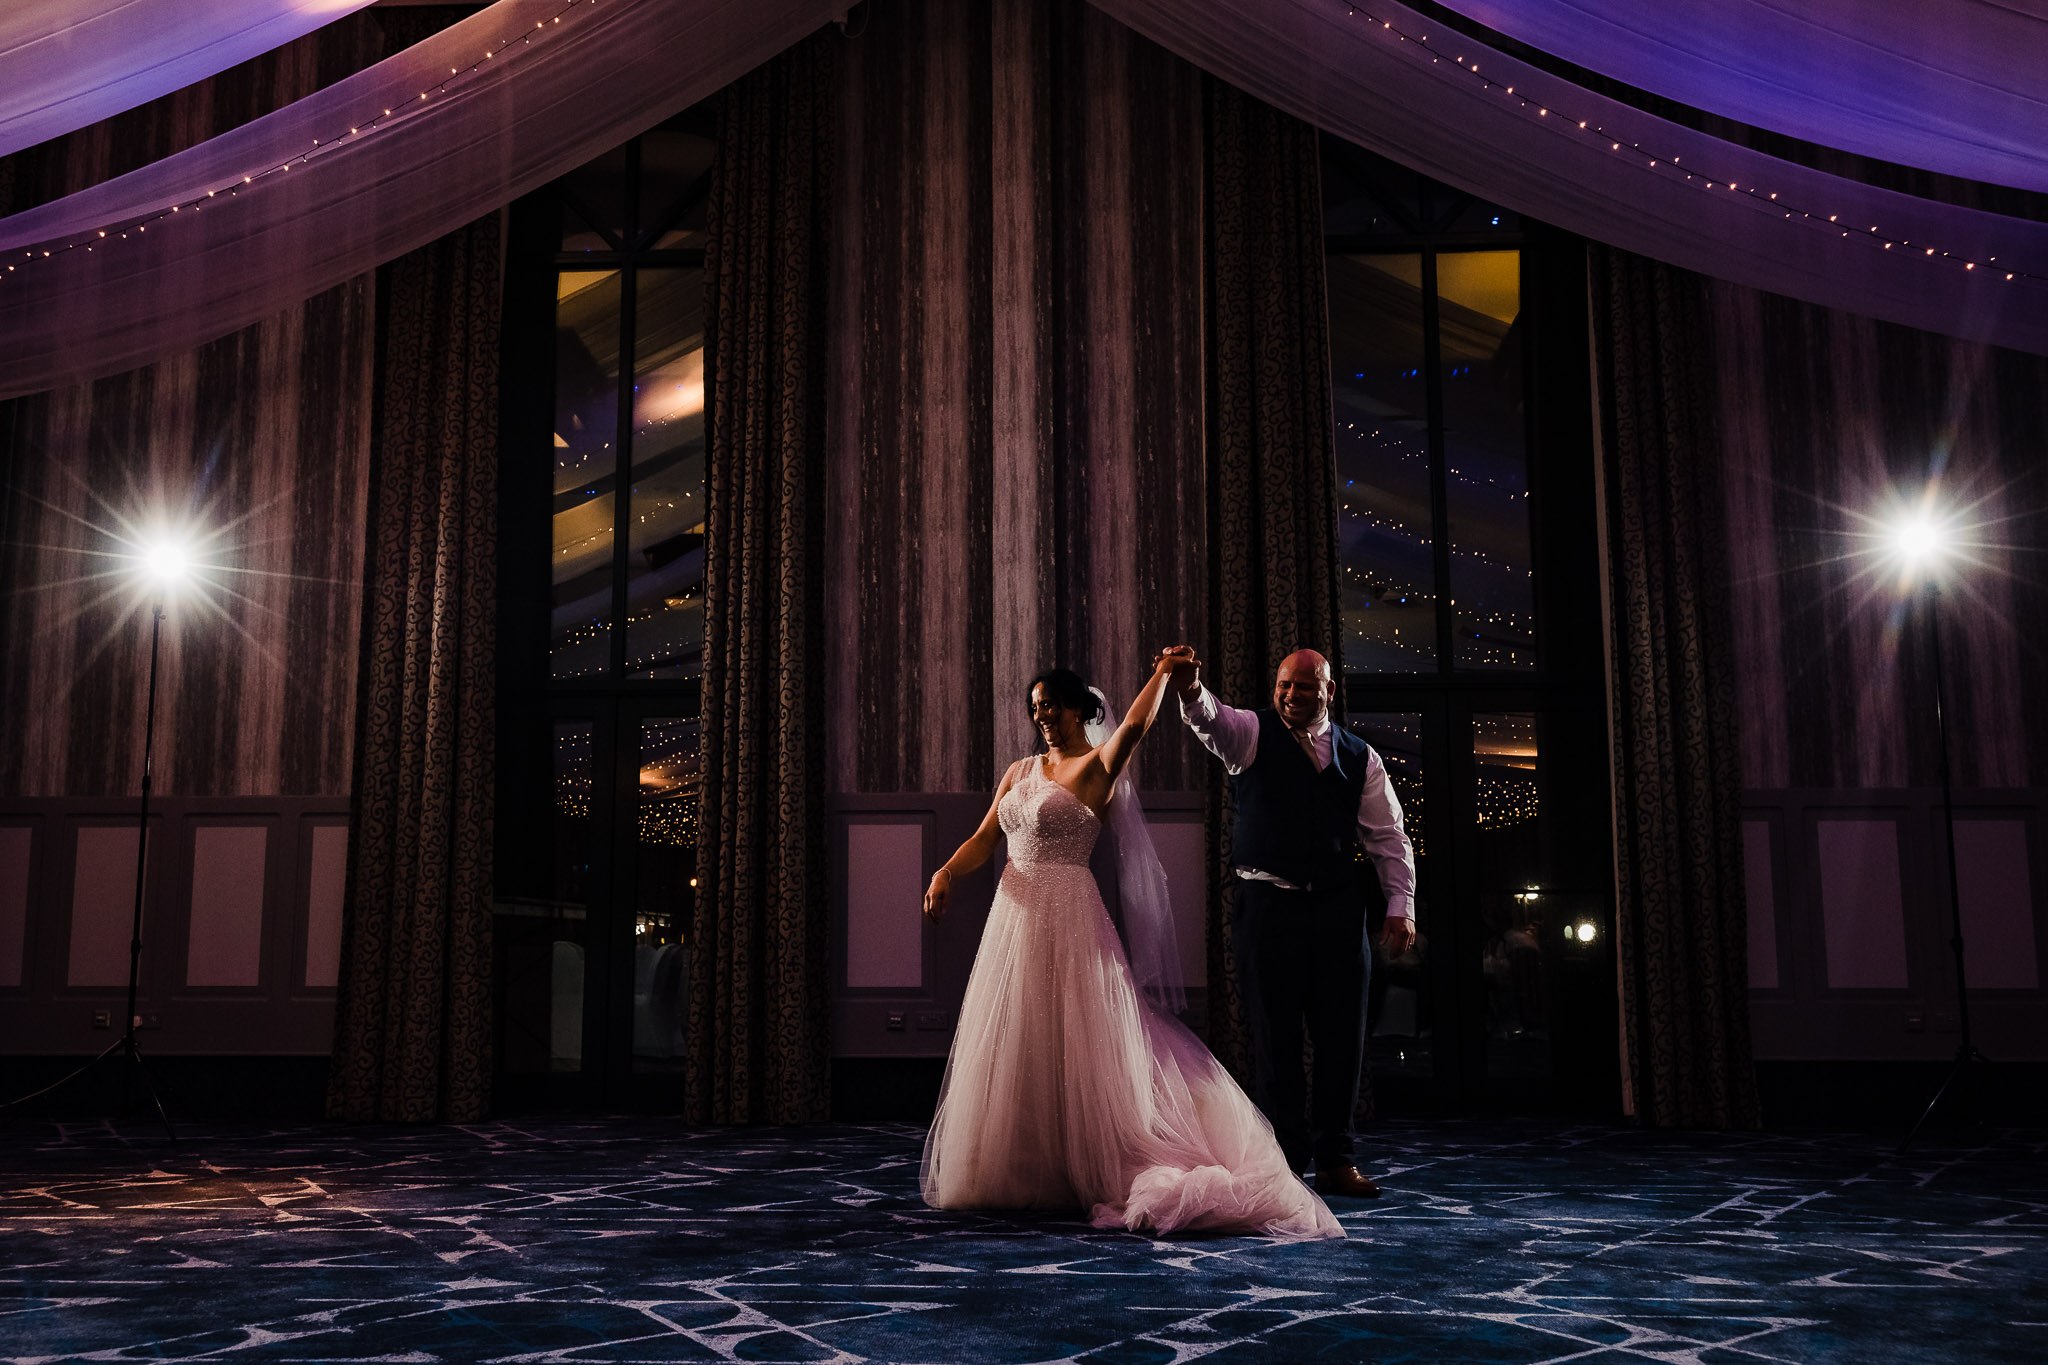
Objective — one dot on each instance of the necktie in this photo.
(1308, 746)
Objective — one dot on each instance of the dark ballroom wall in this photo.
(1822, 414)
(263, 436)
(1822, 411)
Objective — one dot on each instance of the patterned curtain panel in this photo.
(412, 1018)
(1681, 928)
(759, 1026)
(1016, 448)
(1272, 456)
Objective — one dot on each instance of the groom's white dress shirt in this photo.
(1233, 736)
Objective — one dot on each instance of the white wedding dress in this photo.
(1065, 1089)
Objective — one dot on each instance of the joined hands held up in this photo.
(1184, 667)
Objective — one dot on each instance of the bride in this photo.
(1066, 1087)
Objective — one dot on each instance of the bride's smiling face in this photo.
(1059, 726)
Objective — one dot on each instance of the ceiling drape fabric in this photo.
(1956, 86)
(1389, 80)
(68, 63)
(566, 80)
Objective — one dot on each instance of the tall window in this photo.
(1464, 529)
(1432, 461)
(602, 636)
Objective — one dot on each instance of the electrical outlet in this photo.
(895, 1021)
(1916, 1021)
(1945, 1020)
(102, 1018)
(149, 1021)
(934, 1021)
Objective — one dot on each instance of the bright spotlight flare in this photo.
(1919, 540)
(167, 561)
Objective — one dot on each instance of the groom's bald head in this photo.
(1303, 688)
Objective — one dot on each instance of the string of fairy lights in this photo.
(110, 234)
(1656, 160)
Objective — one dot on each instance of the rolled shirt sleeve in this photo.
(1230, 734)
(1385, 838)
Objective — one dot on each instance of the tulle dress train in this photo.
(1065, 1089)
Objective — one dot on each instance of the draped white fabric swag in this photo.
(1957, 86)
(573, 78)
(68, 63)
(554, 96)
(1327, 62)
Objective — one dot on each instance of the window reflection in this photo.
(1514, 906)
(1384, 548)
(1479, 306)
(667, 826)
(1402, 1032)
(675, 175)
(542, 918)
(586, 470)
(665, 568)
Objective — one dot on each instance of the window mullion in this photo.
(1439, 479)
(622, 498)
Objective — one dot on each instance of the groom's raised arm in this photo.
(1230, 734)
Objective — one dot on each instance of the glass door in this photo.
(1471, 649)
(601, 628)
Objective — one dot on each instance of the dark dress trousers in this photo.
(1304, 955)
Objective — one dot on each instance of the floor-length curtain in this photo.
(1016, 469)
(759, 1023)
(412, 1017)
(1272, 460)
(1681, 928)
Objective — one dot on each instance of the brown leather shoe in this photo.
(1347, 1181)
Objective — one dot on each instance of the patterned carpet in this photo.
(626, 1240)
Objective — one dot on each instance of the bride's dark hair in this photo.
(1066, 688)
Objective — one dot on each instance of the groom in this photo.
(1310, 795)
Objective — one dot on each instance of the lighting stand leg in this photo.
(128, 1048)
(1966, 1051)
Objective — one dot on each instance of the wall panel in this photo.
(1996, 892)
(884, 876)
(103, 902)
(1862, 913)
(17, 850)
(1862, 923)
(326, 884)
(233, 893)
(1761, 894)
(224, 927)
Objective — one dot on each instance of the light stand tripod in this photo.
(126, 1049)
(1966, 1051)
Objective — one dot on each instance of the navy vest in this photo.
(1295, 822)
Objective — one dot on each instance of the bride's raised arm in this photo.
(1116, 751)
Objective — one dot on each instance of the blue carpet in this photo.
(619, 1240)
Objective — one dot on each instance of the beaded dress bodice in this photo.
(1046, 824)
